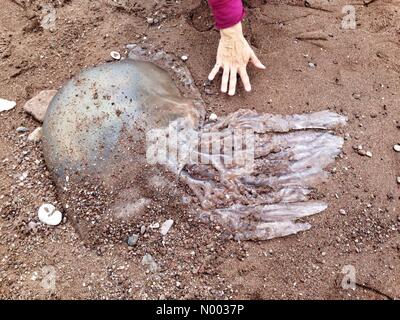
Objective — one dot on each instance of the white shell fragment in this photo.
(213, 117)
(115, 55)
(49, 215)
(166, 226)
(6, 105)
(396, 147)
(184, 58)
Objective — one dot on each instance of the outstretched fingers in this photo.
(232, 81)
(225, 79)
(245, 78)
(214, 71)
(256, 61)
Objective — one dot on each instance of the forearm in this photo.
(227, 13)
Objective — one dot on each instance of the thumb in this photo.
(256, 61)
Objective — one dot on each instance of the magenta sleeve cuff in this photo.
(227, 13)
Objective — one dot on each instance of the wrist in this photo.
(234, 32)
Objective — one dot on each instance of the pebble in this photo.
(342, 212)
(22, 129)
(362, 152)
(396, 147)
(6, 105)
(184, 58)
(37, 106)
(133, 239)
(312, 65)
(213, 117)
(32, 226)
(155, 225)
(131, 46)
(149, 261)
(49, 215)
(357, 96)
(150, 20)
(35, 135)
(143, 229)
(115, 55)
(166, 226)
(398, 180)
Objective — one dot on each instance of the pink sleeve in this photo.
(226, 12)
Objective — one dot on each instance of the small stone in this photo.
(22, 129)
(6, 105)
(312, 65)
(357, 96)
(133, 239)
(368, 154)
(131, 46)
(396, 147)
(213, 117)
(184, 58)
(143, 229)
(150, 20)
(398, 180)
(32, 226)
(49, 215)
(115, 55)
(362, 152)
(166, 226)
(323, 254)
(342, 212)
(36, 135)
(155, 225)
(149, 261)
(37, 106)
(23, 176)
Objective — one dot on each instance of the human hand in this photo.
(234, 53)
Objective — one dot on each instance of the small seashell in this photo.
(115, 55)
(49, 215)
(213, 117)
(6, 105)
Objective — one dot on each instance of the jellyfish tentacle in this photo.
(265, 200)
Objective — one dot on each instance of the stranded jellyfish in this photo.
(127, 138)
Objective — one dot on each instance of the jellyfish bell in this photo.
(101, 115)
(94, 140)
(107, 142)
